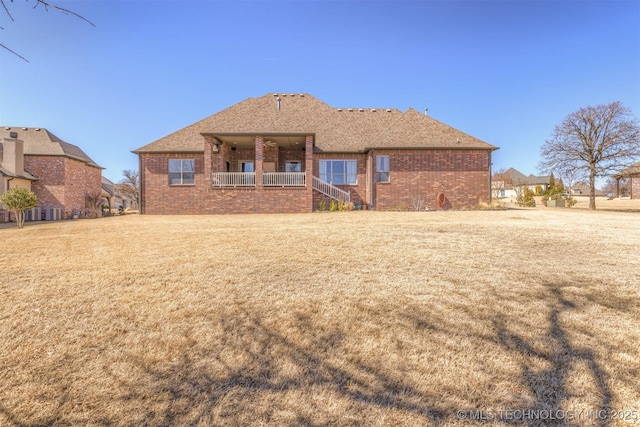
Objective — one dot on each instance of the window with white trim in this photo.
(339, 171)
(382, 169)
(182, 171)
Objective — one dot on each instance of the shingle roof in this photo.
(335, 129)
(631, 170)
(39, 141)
(518, 178)
(108, 186)
(25, 175)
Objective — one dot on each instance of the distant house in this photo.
(512, 181)
(583, 189)
(632, 173)
(113, 197)
(294, 153)
(62, 174)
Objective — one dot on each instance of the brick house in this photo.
(632, 173)
(64, 173)
(287, 152)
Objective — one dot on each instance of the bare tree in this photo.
(499, 182)
(594, 141)
(130, 185)
(47, 5)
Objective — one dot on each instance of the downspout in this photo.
(490, 176)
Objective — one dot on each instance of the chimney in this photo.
(13, 155)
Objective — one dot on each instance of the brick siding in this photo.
(462, 175)
(62, 182)
(634, 186)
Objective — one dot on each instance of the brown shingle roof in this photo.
(631, 170)
(335, 129)
(39, 141)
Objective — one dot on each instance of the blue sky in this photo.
(504, 71)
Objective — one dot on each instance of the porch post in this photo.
(308, 161)
(259, 160)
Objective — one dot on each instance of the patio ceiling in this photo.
(290, 141)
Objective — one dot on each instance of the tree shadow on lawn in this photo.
(549, 386)
(253, 390)
(257, 375)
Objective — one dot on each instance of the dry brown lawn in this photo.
(353, 318)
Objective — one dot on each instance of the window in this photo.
(382, 168)
(339, 171)
(246, 166)
(182, 171)
(293, 167)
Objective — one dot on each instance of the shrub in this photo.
(333, 206)
(349, 206)
(18, 200)
(322, 205)
(526, 198)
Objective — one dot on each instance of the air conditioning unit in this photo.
(53, 214)
(34, 214)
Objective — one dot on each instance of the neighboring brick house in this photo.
(65, 174)
(632, 173)
(287, 152)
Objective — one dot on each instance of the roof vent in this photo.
(37, 129)
(302, 95)
(361, 109)
(426, 111)
(7, 128)
(292, 94)
(275, 94)
(350, 109)
(339, 109)
(24, 128)
(388, 110)
(374, 110)
(13, 135)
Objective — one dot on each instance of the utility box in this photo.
(559, 203)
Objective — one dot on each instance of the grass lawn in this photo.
(352, 318)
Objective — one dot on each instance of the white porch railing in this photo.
(233, 179)
(331, 190)
(283, 179)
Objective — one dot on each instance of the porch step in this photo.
(330, 190)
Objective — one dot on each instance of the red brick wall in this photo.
(50, 187)
(462, 175)
(358, 191)
(62, 182)
(258, 200)
(80, 180)
(158, 197)
(635, 187)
